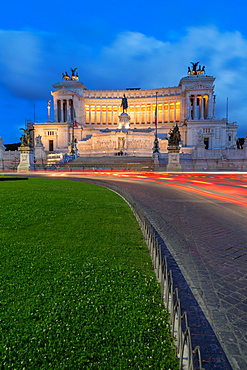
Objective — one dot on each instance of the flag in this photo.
(155, 115)
(75, 124)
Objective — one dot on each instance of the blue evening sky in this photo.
(116, 45)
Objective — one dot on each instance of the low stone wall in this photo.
(199, 160)
(211, 164)
(220, 159)
(210, 160)
(9, 160)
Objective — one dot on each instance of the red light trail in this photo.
(224, 187)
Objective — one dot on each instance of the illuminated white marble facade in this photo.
(191, 105)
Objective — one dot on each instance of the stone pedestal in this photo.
(200, 151)
(40, 156)
(124, 121)
(26, 159)
(156, 159)
(173, 159)
(2, 149)
(245, 147)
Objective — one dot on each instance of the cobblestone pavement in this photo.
(207, 238)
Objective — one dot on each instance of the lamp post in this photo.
(72, 144)
(49, 110)
(156, 149)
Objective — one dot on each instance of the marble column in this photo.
(210, 105)
(112, 114)
(201, 113)
(188, 107)
(101, 115)
(58, 113)
(90, 115)
(69, 112)
(194, 107)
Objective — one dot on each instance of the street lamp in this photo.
(72, 143)
(49, 110)
(156, 149)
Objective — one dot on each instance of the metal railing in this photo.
(189, 358)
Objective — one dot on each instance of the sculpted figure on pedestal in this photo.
(66, 76)
(26, 137)
(175, 136)
(38, 141)
(74, 76)
(200, 138)
(124, 103)
(195, 70)
(194, 65)
(2, 147)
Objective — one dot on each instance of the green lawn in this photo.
(77, 289)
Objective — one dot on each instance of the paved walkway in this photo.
(208, 255)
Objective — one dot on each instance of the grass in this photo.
(77, 289)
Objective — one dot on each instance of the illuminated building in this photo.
(91, 118)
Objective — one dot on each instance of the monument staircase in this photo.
(107, 163)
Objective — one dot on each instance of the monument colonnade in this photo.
(199, 106)
(64, 110)
(103, 113)
(139, 113)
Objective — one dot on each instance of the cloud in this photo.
(155, 61)
(20, 58)
(31, 61)
(135, 59)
